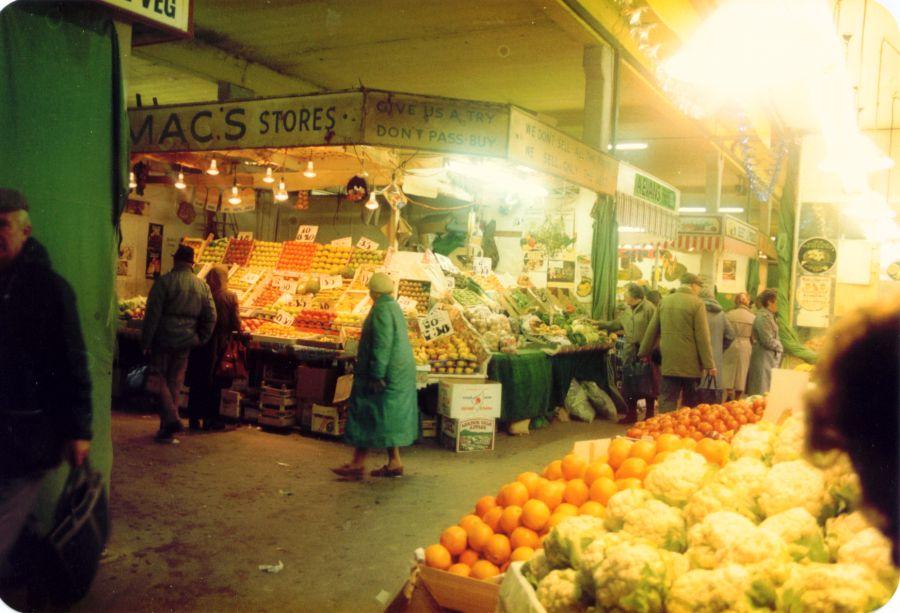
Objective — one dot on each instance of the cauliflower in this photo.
(659, 523)
(594, 554)
(536, 568)
(677, 477)
(841, 529)
(843, 490)
(560, 591)
(791, 439)
(726, 537)
(729, 588)
(799, 530)
(677, 564)
(870, 548)
(755, 441)
(714, 497)
(568, 539)
(793, 484)
(744, 474)
(831, 587)
(621, 503)
(632, 577)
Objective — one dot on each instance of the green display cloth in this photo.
(583, 366)
(63, 123)
(526, 379)
(753, 277)
(784, 246)
(604, 256)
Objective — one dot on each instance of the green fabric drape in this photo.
(784, 246)
(753, 277)
(604, 255)
(63, 126)
(526, 379)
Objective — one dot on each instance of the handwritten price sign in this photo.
(287, 286)
(407, 304)
(307, 234)
(330, 281)
(284, 318)
(245, 236)
(250, 278)
(481, 266)
(435, 325)
(367, 244)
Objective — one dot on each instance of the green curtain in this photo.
(753, 277)
(604, 255)
(63, 125)
(784, 246)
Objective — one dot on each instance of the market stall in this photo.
(726, 246)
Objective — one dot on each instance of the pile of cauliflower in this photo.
(770, 531)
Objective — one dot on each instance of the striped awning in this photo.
(691, 242)
(648, 218)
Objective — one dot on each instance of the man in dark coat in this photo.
(45, 388)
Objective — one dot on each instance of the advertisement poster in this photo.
(585, 288)
(817, 255)
(154, 250)
(560, 272)
(729, 270)
(535, 260)
(814, 301)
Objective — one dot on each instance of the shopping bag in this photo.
(708, 391)
(137, 378)
(637, 380)
(233, 363)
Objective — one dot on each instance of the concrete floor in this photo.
(192, 522)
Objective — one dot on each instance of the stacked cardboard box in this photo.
(468, 414)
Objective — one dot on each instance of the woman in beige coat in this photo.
(737, 356)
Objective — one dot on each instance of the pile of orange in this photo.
(715, 421)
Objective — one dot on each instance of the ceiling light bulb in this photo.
(213, 169)
(132, 182)
(364, 173)
(372, 203)
(268, 178)
(281, 193)
(179, 183)
(310, 172)
(235, 195)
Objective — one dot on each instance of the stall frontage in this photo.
(472, 208)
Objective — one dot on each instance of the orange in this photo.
(462, 570)
(535, 514)
(509, 521)
(644, 450)
(628, 482)
(523, 537)
(485, 504)
(591, 507)
(469, 520)
(492, 517)
(602, 489)
(556, 518)
(708, 449)
(497, 549)
(482, 569)
(454, 539)
(479, 535)
(576, 492)
(521, 554)
(602, 458)
(468, 557)
(661, 456)
(668, 442)
(618, 451)
(551, 493)
(531, 481)
(573, 466)
(541, 540)
(514, 494)
(596, 470)
(632, 468)
(688, 443)
(437, 556)
(553, 470)
(566, 508)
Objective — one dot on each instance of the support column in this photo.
(715, 166)
(599, 90)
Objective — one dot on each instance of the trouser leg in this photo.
(689, 392)
(17, 499)
(175, 380)
(167, 411)
(670, 389)
(651, 407)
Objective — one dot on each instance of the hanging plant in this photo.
(550, 236)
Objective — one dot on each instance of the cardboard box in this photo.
(316, 384)
(329, 420)
(251, 411)
(429, 427)
(277, 397)
(469, 434)
(466, 400)
(277, 419)
(304, 416)
(230, 404)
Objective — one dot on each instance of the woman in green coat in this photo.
(383, 410)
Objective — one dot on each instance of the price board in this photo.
(367, 244)
(481, 266)
(435, 325)
(245, 236)
(307, 234)
(445, 263)
(407, 304)
(330, 281)
(250, 278)
(347, 241)
(287, 286)
(284, 318)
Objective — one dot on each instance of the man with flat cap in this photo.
(45, 388)
(181, 315)
(681, 328)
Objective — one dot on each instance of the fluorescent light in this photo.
(631, 146)
(630, 229)
(498, 178)
(730, 209)
(692, 209)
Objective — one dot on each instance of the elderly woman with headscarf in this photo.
(737, 357)
(205, 384)
(383, 411)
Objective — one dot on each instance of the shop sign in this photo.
(633, 182)
(307, 234)
(709, 225)
(738, 230)
(322, 119)
(284, 318)
(367, 244)
(817, 255)
(813, 301)
(347, 241)
(545, 148)
(481, 266)
(435, 124)
(172, 15)
(435, 325)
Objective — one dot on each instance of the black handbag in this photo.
(708, 391)
(637, 380)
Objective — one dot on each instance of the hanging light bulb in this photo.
(372, 203)
(281, 193)
(235, 195)
(268, 178)
(364, 173)
(310, 172)
(179, 182)
(213, 169)
(132, 182)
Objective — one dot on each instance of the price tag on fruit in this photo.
(250, 278)
(245, 236)
(284, 318)
(330, 281)
(406, 303)
(287, 286)
(307, 234)
(367, 244)
(347, 241)
(435, 325)
(445, 263)
(481, 266)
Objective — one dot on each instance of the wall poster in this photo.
(154, 250)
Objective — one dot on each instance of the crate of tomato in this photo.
(315, 320)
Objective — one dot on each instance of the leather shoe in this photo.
(384, 471)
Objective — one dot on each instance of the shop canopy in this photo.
(646, 205)
(377, 118)
(717, 233)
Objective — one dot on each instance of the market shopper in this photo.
(633, 323)
(45, 388)
(180, 315)
(680, 327)
(737, 356)
(721, 335)
(854, 406)
(767, 349)
(204, 377)
(383, 412)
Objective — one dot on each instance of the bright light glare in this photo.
(692, 209)
(630, 146)
(497, 178)
(630, 229)
(869, 206)
(731, 209)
